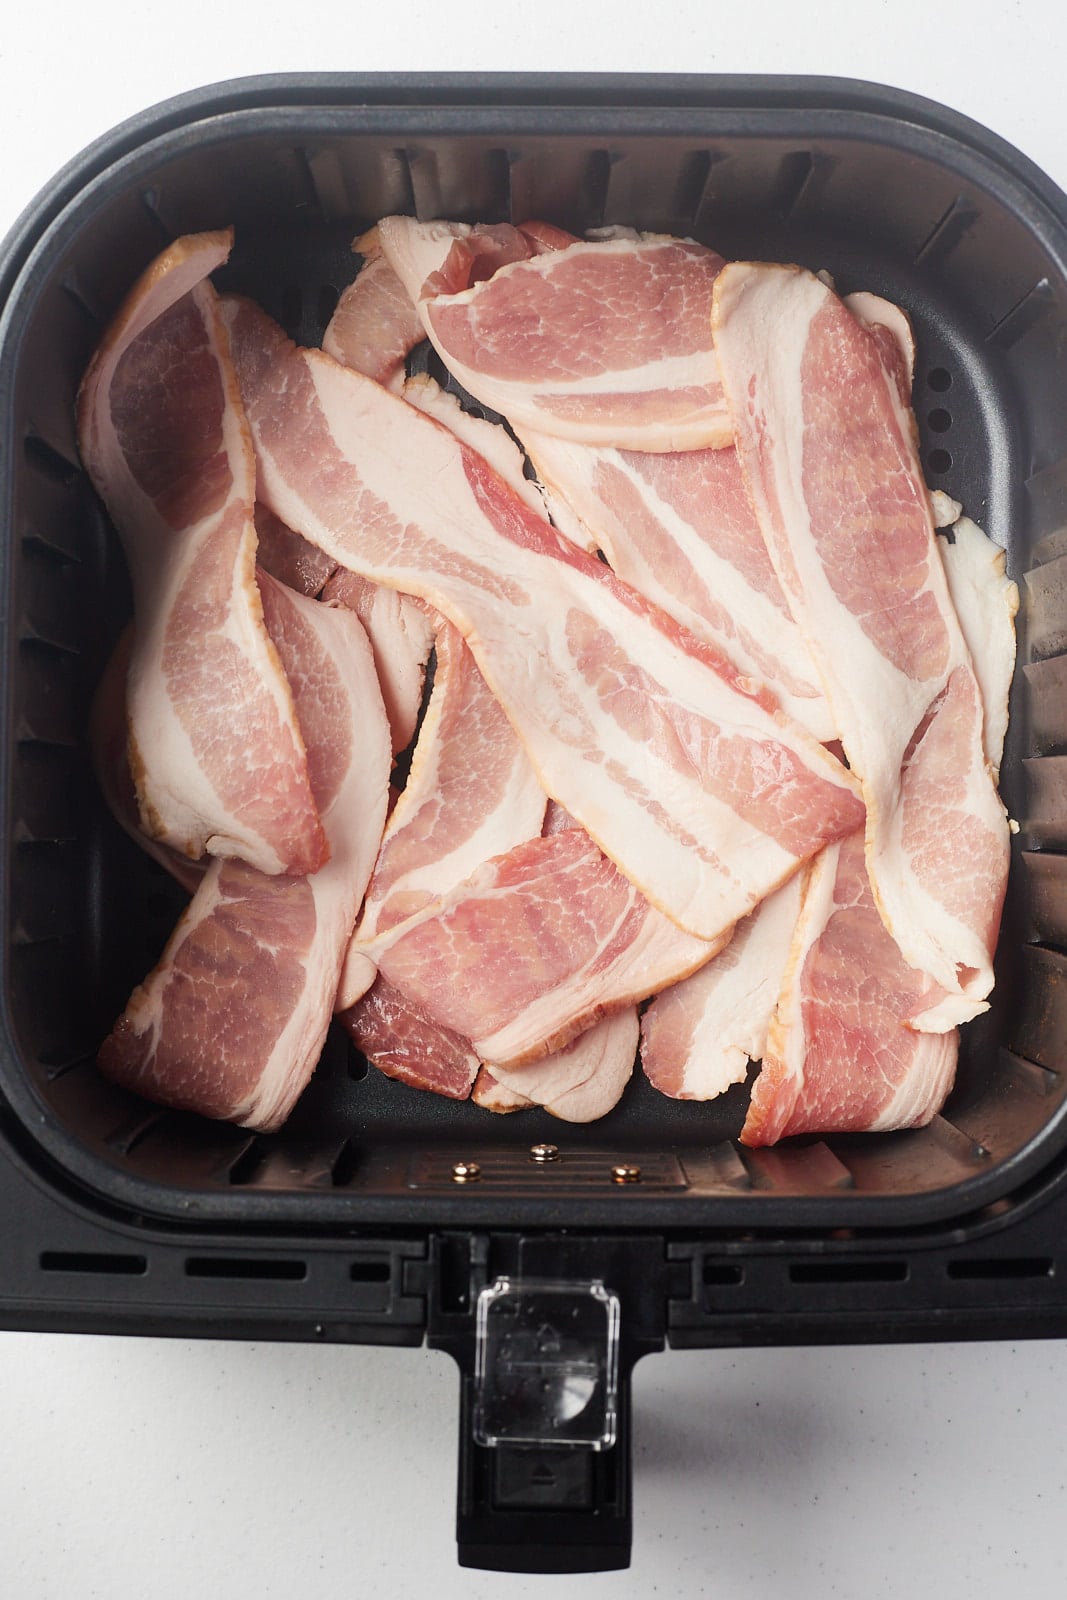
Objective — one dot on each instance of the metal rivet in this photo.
(626, 1173)
(544, 1152)
(466, 1172)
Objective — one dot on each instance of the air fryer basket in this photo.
(889, 194)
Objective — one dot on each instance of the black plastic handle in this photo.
(544, 1508)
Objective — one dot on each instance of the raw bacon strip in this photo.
(679, 528)
(232, 1020)
(441, 257)
(832, 1029)
(606, 343)
(535, 947)
(828, 448)
(986, 602)
(471, 794)
(839, 1057)
(401, 632)
(702, 795)
(489, 439)
(585, 1079)
(698, 1037)
(215, 749)
(288, 557)
(405, 1043)
(375, 325)
(491, 1095)
(107, 741)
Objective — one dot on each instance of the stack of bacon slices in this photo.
(707, 767)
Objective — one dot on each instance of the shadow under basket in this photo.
(350, 1223)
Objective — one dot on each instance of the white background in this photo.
(136, 1469)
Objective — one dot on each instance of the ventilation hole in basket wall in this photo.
(940, 420)
(723, 1274)
(939, 461)
(93, 1261)
(370, 1272)
(848, 1272)
(939, 380)
(245, 1267)
(982, 1269)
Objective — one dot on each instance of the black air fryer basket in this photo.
(545, 1278)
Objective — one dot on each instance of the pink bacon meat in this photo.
(839, 1056)
(404, 1042)
(445, 825)
(471, 794)
(215, 749)
(288, 557)
(232, 1020)
(701, 794)
(828, 448)
(401, 632)
(375, 326)
(606, 343)
(679, 528)
(534, 947)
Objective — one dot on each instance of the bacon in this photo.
(471, 794)
(986, 602)
(401, 633)
(215, 749)
(108, 743)
(695, 788)
(289, 558)
(680, 529)
(828, 448)
(232, 1020)
(698, 1036)
(404, 1042)
(606, 342)
(440, 257)
(839, 1055)
(583, 1081)
(374, 327)
(492, 442)
(534, 947)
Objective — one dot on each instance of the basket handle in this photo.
(544, 1508)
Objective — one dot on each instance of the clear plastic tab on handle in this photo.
(546, 1364)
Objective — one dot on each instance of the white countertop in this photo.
(137, 1469)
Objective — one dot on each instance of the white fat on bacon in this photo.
(490, 440)
(604, 342)
(698, 1036)
(679, 528)
(703, 795)
(232, 1020)
(827, 443)
(986, 602)
(583, 1081)
(215, 749)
